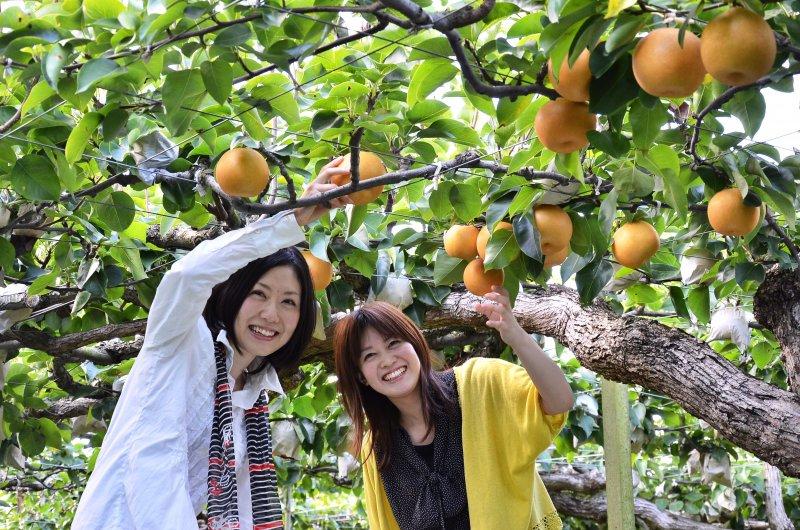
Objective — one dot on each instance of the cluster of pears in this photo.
(243, 172)
(634, 243)
(736, 48)
(469, 243)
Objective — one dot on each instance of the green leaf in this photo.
(362, 261)
(447, 270)
(698, 301)
(633, 182)
(646, 123)
(252, 123)
(349, 89)
(382, 266)
(182, 90)
(428, 49)
(749, 106)
(128, 254)
(453, 130)
(501, 250)
(615, 6)
(591, 279)
(7, 254)
(426, 110)
(149, 30)
(748, 271)
(466, 201)
(498, 209)
(527, 236)
(663, 161)
(675, 194)
(625, 29)
(52, 435)
(614, 88)
(43, 282)
(233, 36)
(523, 200)
(276, 90)
(39, 93)
(52, 63)
(217, 78)
(356, 218)
(678, 301)
(303, 406)
(102, 9)
(35, 178)
(610, 142)
(95, 71)
(31, 440)
(763, 354)
(116, 210)
(80, 135)
(508, 111)
(527, 25)
(780, 202)
(439, 200)
(427, 77)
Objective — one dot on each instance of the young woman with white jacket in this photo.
(191, 425)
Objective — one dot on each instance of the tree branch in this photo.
(595, 508)
(776, 511)
(782, 234)
(446, 24)
(183, 238)
(40, 340)
(720, 101)
(495, 91)
(67, 408)
(776, 305)
(335, 44)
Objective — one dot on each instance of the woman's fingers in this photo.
(327, 174)
(333, 163)
(499, 299)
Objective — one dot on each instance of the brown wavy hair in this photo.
(370, 410)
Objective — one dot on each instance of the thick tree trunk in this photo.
(752, 414)
(776, 306)
(776, 512)
(594, 508)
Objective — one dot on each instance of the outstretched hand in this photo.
(500, 316)
(318, 186)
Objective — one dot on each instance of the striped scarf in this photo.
(223, 512)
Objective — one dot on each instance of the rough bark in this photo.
(776, 305)
(67, 408)
(595, 508)
(776, 512)
(39, 340)
(181, 238)
(752, 414)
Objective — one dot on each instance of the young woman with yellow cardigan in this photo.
(454, 449)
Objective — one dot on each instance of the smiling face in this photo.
(389, 365)
(269, 314)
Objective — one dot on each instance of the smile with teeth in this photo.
(266, 333)
(394, 375)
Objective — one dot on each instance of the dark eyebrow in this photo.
(268, 288)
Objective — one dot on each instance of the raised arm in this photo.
(554, 391)
(185, 289)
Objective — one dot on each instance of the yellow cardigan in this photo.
(503, 431)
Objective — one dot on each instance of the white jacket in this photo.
(152, 468)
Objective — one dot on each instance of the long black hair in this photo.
(227, 298)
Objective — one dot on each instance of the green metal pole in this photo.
(617, 449)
